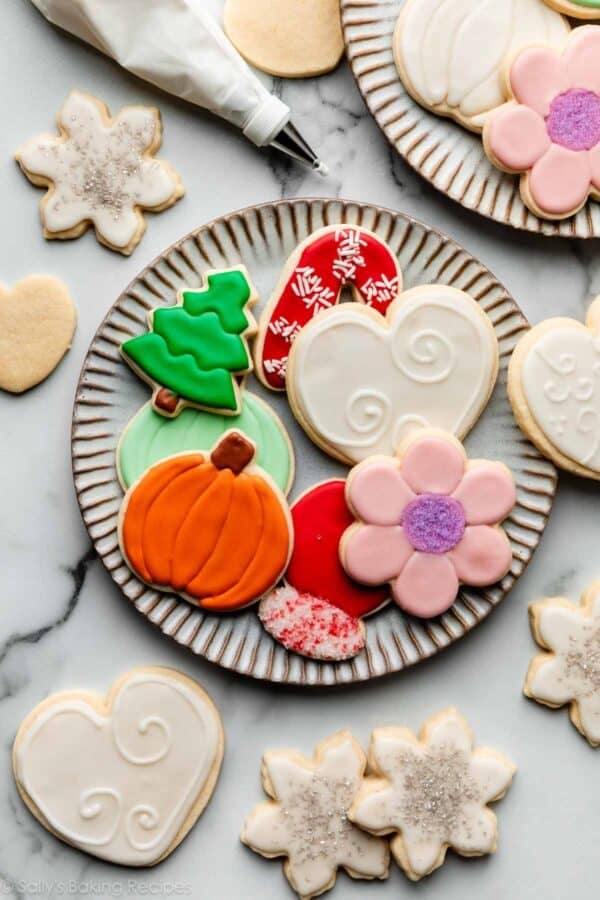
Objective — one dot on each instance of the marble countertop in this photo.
(64, 624)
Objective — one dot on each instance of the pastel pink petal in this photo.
(433, 465)
(582, 58)
(374, 554)
(378, 493)
(427, 586)
(517, 136)
(537, 75)
(487, 493)
(559, 182)
(482, 556)
(594, 160)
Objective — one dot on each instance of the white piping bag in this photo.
(178, 46)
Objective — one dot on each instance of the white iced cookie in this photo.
(307, 818)
(570, 671)
(290, 38)
(100, 171)
(126, 777)
(37, 323)
(358, 382)
(450, 54)
(554, 390)
(432, 793)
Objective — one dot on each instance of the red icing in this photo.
(320, 518)
(333, 258)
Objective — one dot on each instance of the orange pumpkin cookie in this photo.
(212, 527)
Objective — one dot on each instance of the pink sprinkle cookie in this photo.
(549, 130)
(311, 626)
(427, 521)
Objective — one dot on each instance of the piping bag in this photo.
(178, 46)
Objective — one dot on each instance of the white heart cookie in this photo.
(126, 778)
(554, 389)
(358, 382)
(37, 323)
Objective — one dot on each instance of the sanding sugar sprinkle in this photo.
(574, 120)
(582, 662)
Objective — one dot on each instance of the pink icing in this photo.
(574, 120)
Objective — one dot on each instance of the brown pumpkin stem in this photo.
(166, 400)
(233, 451)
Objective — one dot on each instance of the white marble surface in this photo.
(63, 623)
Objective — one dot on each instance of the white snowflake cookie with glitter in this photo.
(569, 672)
(100, 171)
(307, 822)
(432, 793)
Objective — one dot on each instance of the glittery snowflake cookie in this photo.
(432, 793)
(100, 171)
(307, 818)
(570, 671)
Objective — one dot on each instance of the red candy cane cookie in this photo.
(313, 278)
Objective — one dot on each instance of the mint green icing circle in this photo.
(595, 4)
(150, 437)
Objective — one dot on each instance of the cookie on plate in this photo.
(125, 777)
(432, 793)
(100, 171)
(554, 391)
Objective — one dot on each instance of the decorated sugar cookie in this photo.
(150, 437)
(554, 390)
(577, 9)
(37, 323)
(126, 777)
(358, 383)
(306, 819)
(212, 527)
(432, 793)
(100, 171)
(330, 259)
(308, 35)
(549, 130)
(569, 672)
(195, 351)
(450, 54)
(427, 521)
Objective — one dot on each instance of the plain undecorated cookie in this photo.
(37, 323)
(289, 38)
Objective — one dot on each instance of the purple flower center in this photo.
(434, 523)
(574, 120)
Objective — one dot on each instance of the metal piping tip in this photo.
(290, 141)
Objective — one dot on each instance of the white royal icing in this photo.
(454, 51)
(561, 382)
(435, 793)
(120, 786)
(308, 821)
(361, 384)
(571, 672)
(99, 170)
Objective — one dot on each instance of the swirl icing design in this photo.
(451, 53)
(120, 786)
(360, 382)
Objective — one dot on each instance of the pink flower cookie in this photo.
(549, 131)
(427, 521)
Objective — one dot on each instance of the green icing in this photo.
(595, 4)
(150, 437)
(195, 348)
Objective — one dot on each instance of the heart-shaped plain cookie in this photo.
(290, 38)
(357, 382)
(123, 778)
(37, 323)
(554, 389)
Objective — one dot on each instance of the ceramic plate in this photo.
(448, 156)
(109, 394)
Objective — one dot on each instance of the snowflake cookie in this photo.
(570, 671)
(100, 171)
(432, 793)
(307, 818)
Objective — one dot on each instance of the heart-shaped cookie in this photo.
(37, 323)
(124, 778)
(357, 382)
(554, 389)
